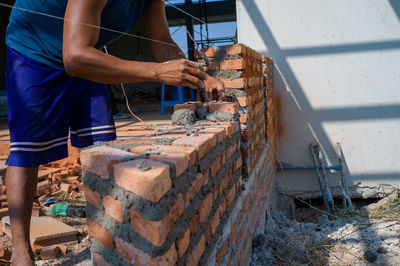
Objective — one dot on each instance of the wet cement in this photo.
(152, 211)
(222, 117)
(183, 117)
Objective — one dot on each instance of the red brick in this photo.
(235, 83)
(224, 107)
(189, 152)
(231, 195)
(100, 160)
(151, 184)
(100, 233)
(5, 254)
(237, 64)
(157, 231)
(193, 224)
(3, 212)
(215, 166)
(196, 186)
(135, 256)
(219, 131)
(205, 207)
(92, 196)
(113, 208)
(203, 144)
(243, 101)
(235, 49)
(243, 118)
(222, 252)
(197, 252)
(180, 161)
(50, 253)
(100, 261)
(185, 106)
(183, 243)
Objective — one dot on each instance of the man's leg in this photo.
(21, 185)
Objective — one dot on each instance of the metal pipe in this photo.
(296, 167)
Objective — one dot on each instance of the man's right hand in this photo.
(181, 72)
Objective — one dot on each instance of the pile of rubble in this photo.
(51, 235)
(359, 240)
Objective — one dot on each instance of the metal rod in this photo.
(296, 167)
(343, 183)
(322, 158)
(321, 185)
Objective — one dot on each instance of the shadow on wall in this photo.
(291, 92)
(286, 82)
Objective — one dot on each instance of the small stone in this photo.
(370, 256)
(381, 250)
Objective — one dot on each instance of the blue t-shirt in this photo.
(40, 37)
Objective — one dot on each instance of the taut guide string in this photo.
(170, 44)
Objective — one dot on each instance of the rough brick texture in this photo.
(170, 195)
(248, 79)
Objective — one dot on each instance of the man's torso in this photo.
(36, 27)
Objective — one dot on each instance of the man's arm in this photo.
(81, 59)
(157, 29)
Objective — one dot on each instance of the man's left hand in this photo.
(216, 86)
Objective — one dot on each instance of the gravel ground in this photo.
(351, 241)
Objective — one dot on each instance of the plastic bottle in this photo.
(63, 209)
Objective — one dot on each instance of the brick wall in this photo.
(248, 79)
(170, 194)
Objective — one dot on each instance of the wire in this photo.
(126, 97)
(184, 12)
(87, 24)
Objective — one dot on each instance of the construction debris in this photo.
(357, 240)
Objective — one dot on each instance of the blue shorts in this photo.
(45, 105)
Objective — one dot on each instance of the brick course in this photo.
(164, 197)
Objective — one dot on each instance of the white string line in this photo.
(89, 25)
(183, 11)
(126, 97)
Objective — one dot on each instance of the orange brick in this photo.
(157, 231)
(193, 224)
(225, 107)
(189, 152)
(215, 166)
(197, 252)
(113, 208)
(196, 186)
(243, 118)
(151, 184)
(183, 243)
(237, 64)
(219, 131)
(231, 195)
(100, 233)
(135, 256)
(180, 161)
(235, 49)
(185, 106)
(100, 261)
(235, 83)
(203, 144)
(222, 252)
(100, 160)
(243, 101)
(92, 196)
(205, 207)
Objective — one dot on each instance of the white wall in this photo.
(337, 79)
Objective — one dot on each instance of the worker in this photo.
(56, 76)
